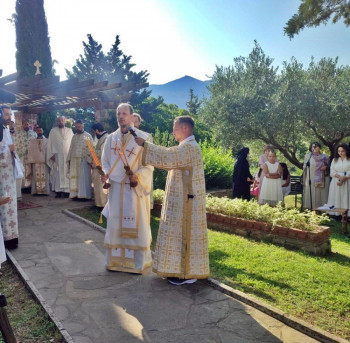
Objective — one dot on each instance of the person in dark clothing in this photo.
(242, 179)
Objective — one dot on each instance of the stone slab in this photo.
(75, 259)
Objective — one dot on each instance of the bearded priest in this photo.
(128, 234)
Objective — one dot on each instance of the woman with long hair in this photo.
(241, 179)
(339, 189)
(316, 172)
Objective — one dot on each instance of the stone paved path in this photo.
(65, 261)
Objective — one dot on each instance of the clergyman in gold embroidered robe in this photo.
(182, 244)
(38, 168)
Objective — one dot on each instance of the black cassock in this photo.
(240, 185)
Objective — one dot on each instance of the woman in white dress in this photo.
(271, 187)
(316, 164)
(339, 190)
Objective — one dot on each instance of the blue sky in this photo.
(173, 38)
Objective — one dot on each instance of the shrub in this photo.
(218, 163)
(278, 215)
(159, 175)
(218, 166)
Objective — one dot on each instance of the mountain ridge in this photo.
(178, 91)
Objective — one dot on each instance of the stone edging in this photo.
(295, 323)
(39, 298)
(84, 221)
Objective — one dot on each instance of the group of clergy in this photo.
(61, 163)
(127, 158)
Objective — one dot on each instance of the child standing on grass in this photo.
(271, 187)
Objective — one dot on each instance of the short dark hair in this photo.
(126, 105)
(314, 144)
(5, 107)
(79, 121)
(188, 120)
(98, 126)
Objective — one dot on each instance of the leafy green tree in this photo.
(251, 101)
(315, 12)
(244, 105)
(193, 104)
(328, 103)
(32, 38)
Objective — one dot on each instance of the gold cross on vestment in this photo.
(131, 151)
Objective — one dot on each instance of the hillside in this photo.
(177, 91)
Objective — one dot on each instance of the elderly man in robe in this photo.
(8, 211)
(128, 235)
(99, 195)
(58, 145)
(79, 164)
(38, 169)
(181, 252)
(23, 137)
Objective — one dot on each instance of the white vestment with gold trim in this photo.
(78, 165)
(128, 235)
(58, 146)
(182, 244)
(38, 168)
(100, 196)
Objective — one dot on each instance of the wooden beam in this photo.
(40, 109)
(8, 78)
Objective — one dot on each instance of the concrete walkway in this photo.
(64, 259)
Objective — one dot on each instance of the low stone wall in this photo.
(316, 242)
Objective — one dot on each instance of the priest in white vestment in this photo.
(128, 235)
(181, 252)
(79, 164)
(23, 137)
(8, 211)
(38, 170)
(100, 196)
(58, 145)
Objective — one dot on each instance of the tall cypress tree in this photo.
(32, 39)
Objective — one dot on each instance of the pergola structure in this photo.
(36, 95)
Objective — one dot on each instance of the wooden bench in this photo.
(344, 216)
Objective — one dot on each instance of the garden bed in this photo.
(315, 241)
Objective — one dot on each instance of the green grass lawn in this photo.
(28, 319)
(315, 289)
